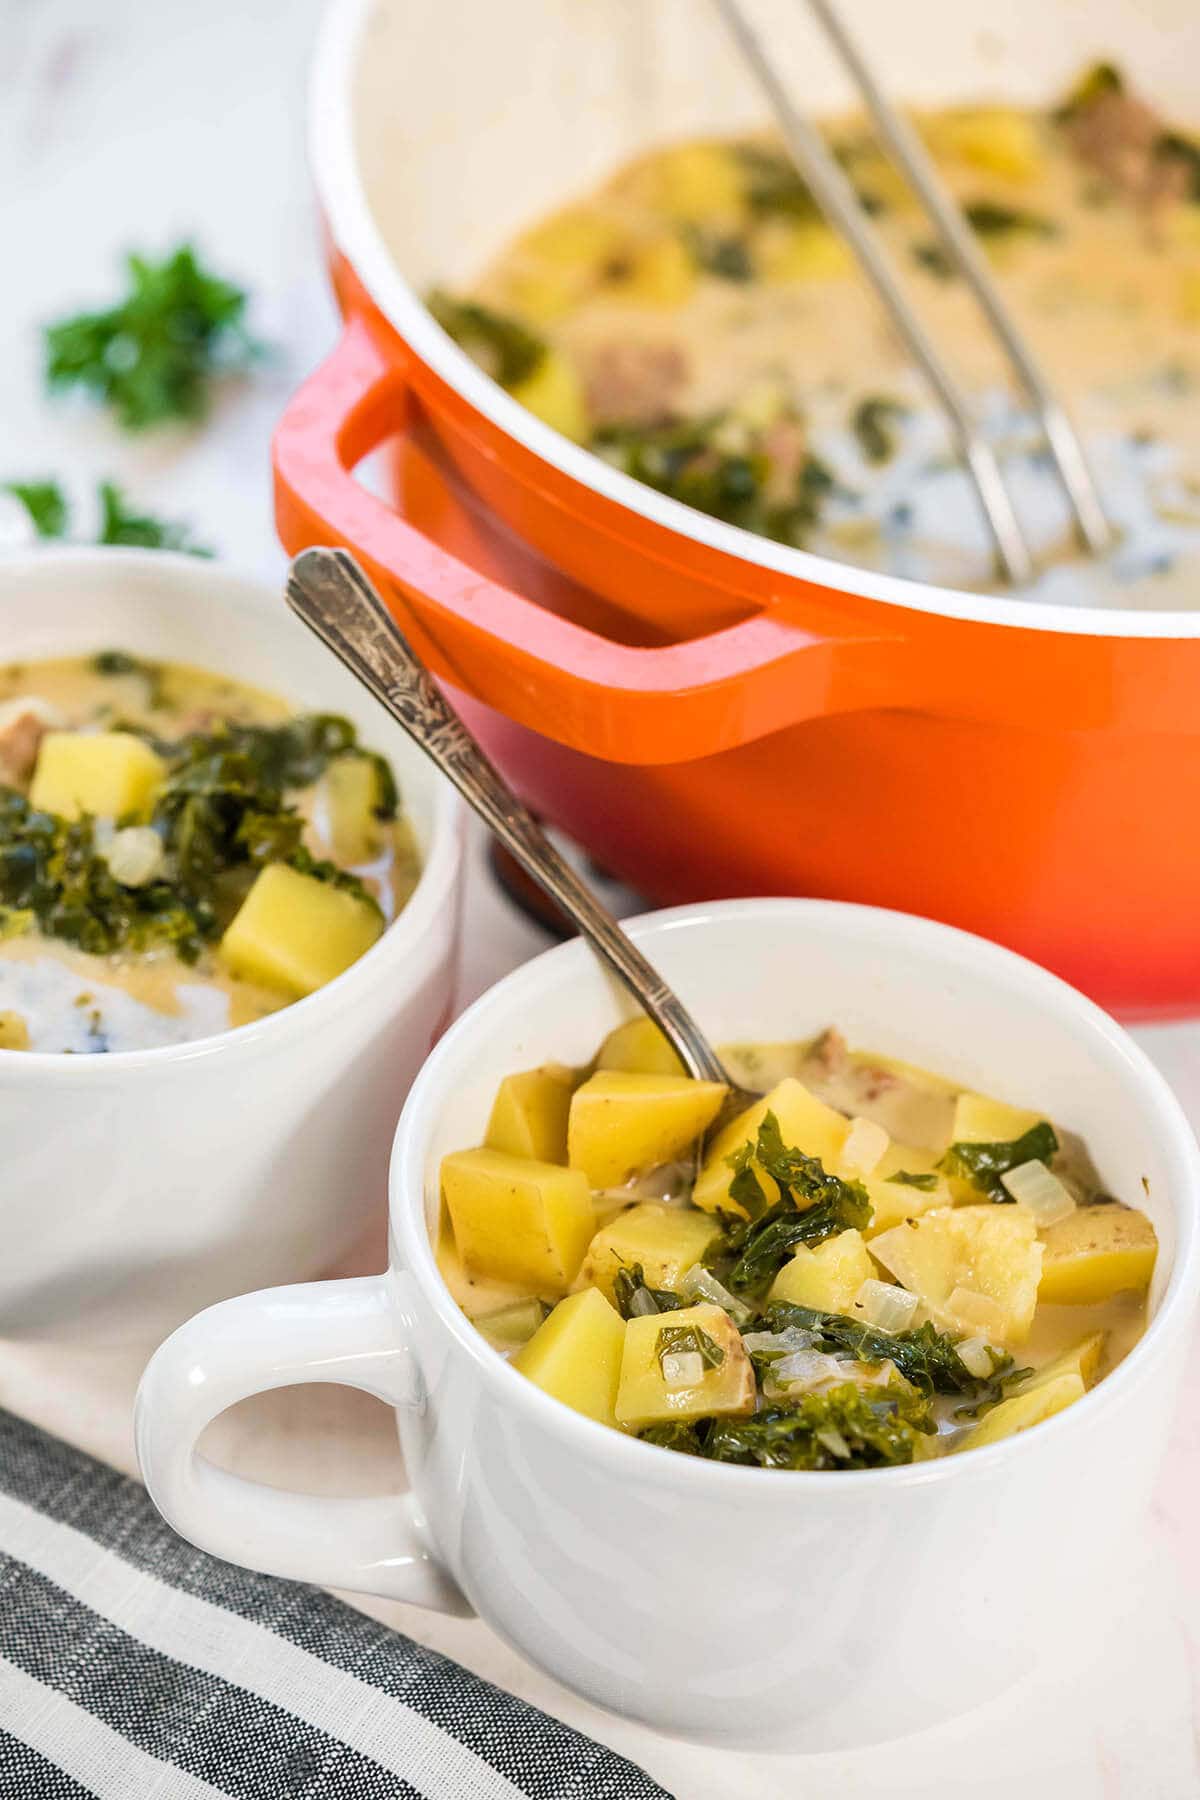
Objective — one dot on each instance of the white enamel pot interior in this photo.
(440, 127)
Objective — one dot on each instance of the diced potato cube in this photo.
(541, 292)
(295, 932)
(991, 1251)
(576, 1355)
(805, 1123)
(891, 1200)
(109, 774)
(695, 183)
(555, 394)
(981, 1120)
(657, 272)
(827, 1277)
(1180, 227)
(1034, 1404)
(575, 239)
(518, 1220)
(1189, 296)
(972, 1314)
(1096, 1252)
(350, 791)
(556, 264)
(1003, 140)
(622, 1123)
(639, 1048)
(802, 251)
(529, 1114)
(14, 1032)
(665, 1240)
(644, 1396)
(1083, 1359)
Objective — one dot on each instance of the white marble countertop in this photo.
(129, 125)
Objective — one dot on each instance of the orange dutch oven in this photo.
(707, 712)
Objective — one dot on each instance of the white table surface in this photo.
(128, 124)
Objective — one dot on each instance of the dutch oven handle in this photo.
(669, 703)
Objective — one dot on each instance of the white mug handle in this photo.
(348, 1331)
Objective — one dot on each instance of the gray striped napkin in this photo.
(135, 1667)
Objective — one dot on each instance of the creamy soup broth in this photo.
(702, 328)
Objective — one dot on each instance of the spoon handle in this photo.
(328, 590)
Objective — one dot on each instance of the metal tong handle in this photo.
(837, 198)
(1094, 530)
(328, 590)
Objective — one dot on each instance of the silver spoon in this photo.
(328, 590)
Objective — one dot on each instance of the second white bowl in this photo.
(142, 1184)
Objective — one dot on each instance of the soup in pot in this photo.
(866, 1268)
(179, 853)
(698, 324)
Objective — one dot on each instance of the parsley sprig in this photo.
(154, 356)
(120, 522)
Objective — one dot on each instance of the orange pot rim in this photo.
(358, 240)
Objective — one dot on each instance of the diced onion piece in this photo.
(808, 1369)
(886, 1306)
(779, 1343)
(976, 1357)
(834, 1442)
(864, 1147)
(642, 1304)
(134, 855)
(1038, 1188)
(683, 1369)
(700, 1284)
(975, 1312)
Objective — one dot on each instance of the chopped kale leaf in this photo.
(676, 1434)
(873, 424)
(633, 1294)
(842, 1429)
(774, 187)
(121, 524)
(50, 514)
(1184, 152)
(984, 1164)
(682, 1340)
(45, 502)
(927, 1358)
(52, 876)
(501, 345)
(814, 1205)
(991, 219)
(720, 254)
(155, 355)
(1100, 79)
(925, 1182)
